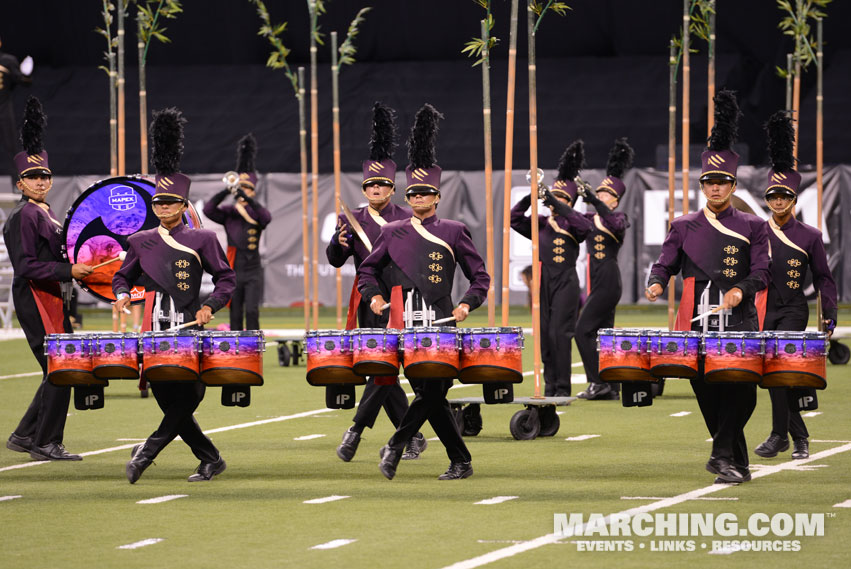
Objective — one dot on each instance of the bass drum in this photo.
(99, 222)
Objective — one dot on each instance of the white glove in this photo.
(27, 65)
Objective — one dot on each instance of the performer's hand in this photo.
(377, 303)
(653, 292)
(461, 311)
(120, 305)
(829, 326)
(732, 298)
(81, 270)
(341, 238)
(204, 315)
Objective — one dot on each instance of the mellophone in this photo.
(473, 355)
(770, 359)
(216, 358)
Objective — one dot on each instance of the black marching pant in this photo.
(598, 312)
(559, 306)
(178, 401)
(44, 420)
(726, 408)
(785, 421)
(391, 397)
(246, 299)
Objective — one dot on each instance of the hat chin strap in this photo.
(720, 201)
(39, 193)
(785, 210)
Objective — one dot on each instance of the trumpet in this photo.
(583, 188)
(231, 180)
(542, 188)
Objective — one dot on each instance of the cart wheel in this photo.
(839, 354)
(550, 421)
(525, 424)
(297, 351)
(283, 355)
(471, 420)
(657, 388)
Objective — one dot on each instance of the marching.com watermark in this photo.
(716, 533)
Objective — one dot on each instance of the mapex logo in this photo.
(122, 198)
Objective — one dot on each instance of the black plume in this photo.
(383, 140)
(421, 151)
(167, 140)
(620, 158)
(246, 150)
(32, 132)
(781, 141)
(725, 131)
(571, 161)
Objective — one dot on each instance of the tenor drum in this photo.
(674, 354)
(115, 356)
(170, 356)
(491, 355)
(733, 357)
(329, 358)
(795, 359)
(69, 359)
(375, 351)
(232, 357)
(430, 352)
(624, 354)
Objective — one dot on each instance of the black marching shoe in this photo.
(139, 461)
(772, 445)
(743, 470)
(206, 470)
(53, 451)
(416, 446)
(19, 444)
(598, 392)
(347, 449)
(389, 461)
(802, 448)
(726, 472)
(457, 471)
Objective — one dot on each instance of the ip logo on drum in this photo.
(122, 198)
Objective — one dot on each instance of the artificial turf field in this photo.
(280, 454)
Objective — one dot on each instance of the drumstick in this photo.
(120, 257)
(385, 307)
(708, 313)
(444, 320)
(187, 325)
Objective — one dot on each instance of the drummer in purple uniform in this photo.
(559, 236)
(419, 255)
(723, 256)
(244, 222)
(379, 174)
(795, 247)
(170, 260)
(32, 234)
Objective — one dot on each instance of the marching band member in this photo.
(379, 174)
(795, 247)
(172, 258)
(723, 256)
(559, 236)
(606, 288)
(40, 289)
(244, 222)
(419, 255)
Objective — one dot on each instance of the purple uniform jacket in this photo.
(795, 247)
(33, 238)
(173, 262)
(606, 237)
(371, 225)
(558, 237)
(730, 249)
(425, 253)
(242, 234)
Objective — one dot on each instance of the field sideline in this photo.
(605, 460)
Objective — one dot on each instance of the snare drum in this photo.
(232, 357)
(732, 357)
(674, 354)
(170, 356)
(375, 351)
(430, 352)
(115, 356)
(795, 359)
(329, 358)
(491, 355)
(624, 354)
(69, 359)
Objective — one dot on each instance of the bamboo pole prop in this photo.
(686, 101)
(486, 115)
(335, 111)
(509, 152)
(710, 72)
(672, 166)
(113, 118)
(143, 102)
(533, 166)
(122, 11)
(819, 121)
(305, 248)
(789, 82)
(314, 159)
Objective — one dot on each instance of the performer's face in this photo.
(169, 213)
(779, 203)
(717, 192)
(423, 203)
(608, 199)
(35, 187)
(378, 193)
(249, 191)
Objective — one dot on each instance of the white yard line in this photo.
(308, 437)
(552, 538)
(7, 498)
(334, 544)
(581, 437)
(845, 504)
(325, 500)
(14, 375)
(661, 498)
(161, 499)
(143, 543)
(495, 500)
(681, 414)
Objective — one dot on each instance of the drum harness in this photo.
(718, 320)
(416, 310)
(165, 320)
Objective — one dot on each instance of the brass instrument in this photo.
(231, 180)
(542, 188)
(582, 187)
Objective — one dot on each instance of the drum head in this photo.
(100, 221)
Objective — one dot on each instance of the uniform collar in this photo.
(426, 221)
(786, 226)
(177, 228)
